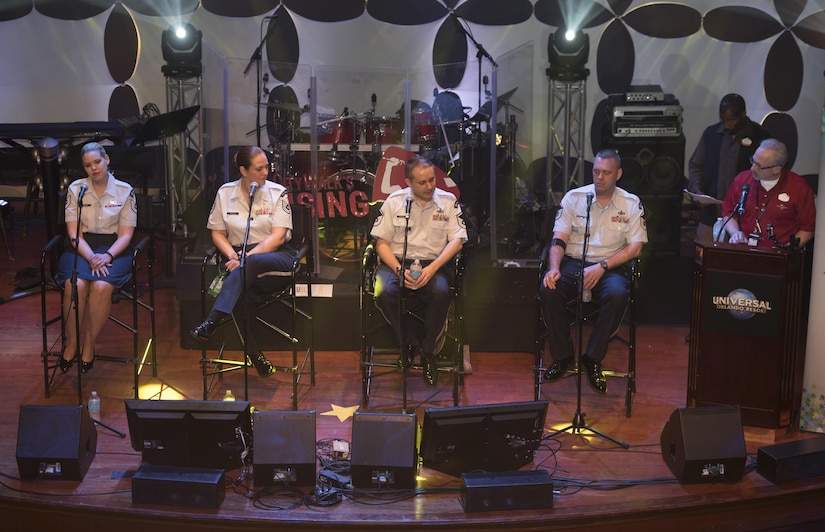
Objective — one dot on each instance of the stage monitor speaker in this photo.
(383, 450)
(485, 491)
(55, 442)
(178, 486)
(283, 451)
(705, 444)
(651, 167)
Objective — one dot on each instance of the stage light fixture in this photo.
(182, 51)
(568, 51)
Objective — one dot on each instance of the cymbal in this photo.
(486, 110)
(284, 106)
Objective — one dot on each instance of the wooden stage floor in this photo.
(598, 485)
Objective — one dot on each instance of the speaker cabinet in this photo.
(500, 308)
(55, 442)
(284, 448)
(705, 444)
(383, 450)
(663, 219)
(651, 167)
(178, 486)
(654, 170)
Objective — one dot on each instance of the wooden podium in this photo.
(748, 327)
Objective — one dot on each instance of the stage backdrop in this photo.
(812, 414)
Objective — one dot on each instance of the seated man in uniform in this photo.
(616, 235)
(435, 233)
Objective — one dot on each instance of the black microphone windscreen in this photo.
(82, 192)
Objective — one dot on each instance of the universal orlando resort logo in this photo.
(742, 304)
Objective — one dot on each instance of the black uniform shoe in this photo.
(405, 361)
(595, 377)
(558, 369)
(262, 365)
(204, 331)
(430, 370)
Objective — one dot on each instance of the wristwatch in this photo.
(603, 264)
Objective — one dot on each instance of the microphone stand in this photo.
(578, 424)
(247, 317)
(75, 300)
(402, 307)
(256, 58)
(480, 54)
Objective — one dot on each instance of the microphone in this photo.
(409, 208)
(589, 199)
(82, 192)
(741, 207)
(252, 189)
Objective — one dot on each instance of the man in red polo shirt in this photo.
(779, 204)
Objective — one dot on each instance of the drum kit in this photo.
(350, 146)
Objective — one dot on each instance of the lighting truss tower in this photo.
(184, 152)
(565, 141)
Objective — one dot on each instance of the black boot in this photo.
(204, 331)
(262, 365)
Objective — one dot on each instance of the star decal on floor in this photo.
(341, 412)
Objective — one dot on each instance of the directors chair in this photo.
(380, 354)
(144, 351)
(625, 334)
(299, 331)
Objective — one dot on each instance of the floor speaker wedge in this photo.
(55, 442)
(284, 448)
(705, 444)
(383, 450)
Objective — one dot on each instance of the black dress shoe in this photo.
(86, 367)
(204, 331)
(65, 365)
(558, 369)
(595, 377)
(430, 370)
(262, 365)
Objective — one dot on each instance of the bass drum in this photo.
(344, 214)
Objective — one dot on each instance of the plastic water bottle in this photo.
(718, 230)
(587, 295)
(217, 283)
(94, 406)
(228, 396)
(415, 269)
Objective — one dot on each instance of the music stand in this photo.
(158, 128)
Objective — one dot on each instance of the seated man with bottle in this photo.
(613, 238)
(420, 225)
